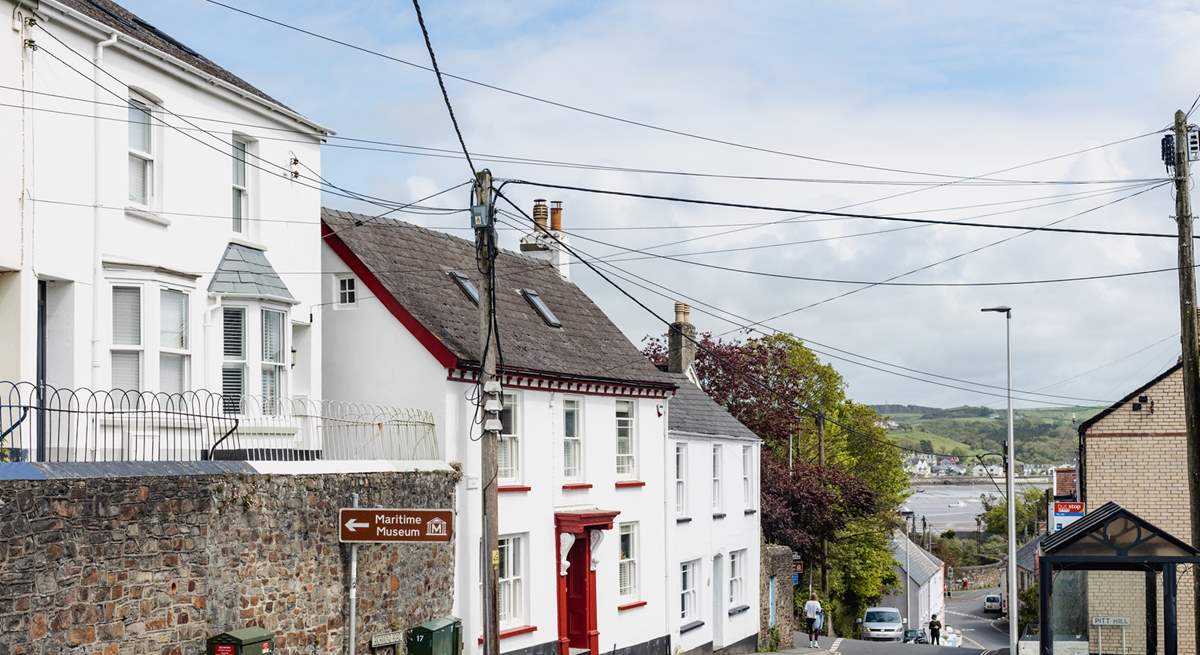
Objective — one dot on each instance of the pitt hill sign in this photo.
(366, 525)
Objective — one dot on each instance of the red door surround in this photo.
(577, 589)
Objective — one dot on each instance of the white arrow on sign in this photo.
(352, 525)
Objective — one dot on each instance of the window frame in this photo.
(230, 363)
(240, 223)
(630, 460)
(339, 292)
(748, 476)
(511, 439)
(689, 596)
(140, 348)
(718, 465)
(466, 285)
(148, 156)
(579, 474)
(184, 352)
(511, 559)
(273, 406)
(540, 306)
(737, 577)
(632, 592)
(681, 463)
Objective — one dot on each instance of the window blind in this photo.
(234, 333)
(171, 370)
(127, 371)
(127, 316)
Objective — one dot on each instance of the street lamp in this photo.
(1009, 457)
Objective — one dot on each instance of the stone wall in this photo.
(777, 563)
(156, 564)
(1139, 461)
(980, 576)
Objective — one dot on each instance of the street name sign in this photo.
(390, 525)
(1110, 620)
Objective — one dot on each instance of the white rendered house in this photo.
(713, 558)
(582, 503)
(156, 214)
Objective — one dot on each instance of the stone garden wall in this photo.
(158, 563)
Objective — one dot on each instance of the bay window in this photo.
(173, 355)
(127, 347)
(272, 360)
(233, 365)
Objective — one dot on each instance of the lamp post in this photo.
(1009, 457)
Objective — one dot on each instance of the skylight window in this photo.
(467, 286)
(543, 310)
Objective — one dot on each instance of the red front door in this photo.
(578, 602)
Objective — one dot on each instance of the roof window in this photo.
(542, 309)
(466, 285)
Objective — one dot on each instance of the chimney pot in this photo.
(556, 215)
(681, 349)
(681, 312)
(539, 212)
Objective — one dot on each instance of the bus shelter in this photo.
(1113, 539)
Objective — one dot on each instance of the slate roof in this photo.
(245, 271)
(923, 564)
(694, 411)
(1027, 554)
(126, 22)
(413, 265)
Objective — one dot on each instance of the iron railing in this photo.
(44, 423)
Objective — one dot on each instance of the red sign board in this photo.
(224, 649)
(365, 525)
(1068, 508)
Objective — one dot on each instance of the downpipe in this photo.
(97, 265)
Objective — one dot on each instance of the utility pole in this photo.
(482, 214)
(1187, 318)
(824, 542)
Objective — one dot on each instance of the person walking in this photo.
(935, 630)
(812, 609)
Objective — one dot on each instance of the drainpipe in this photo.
(97, 265)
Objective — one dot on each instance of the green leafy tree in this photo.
(1029, 509)
(1029, 610)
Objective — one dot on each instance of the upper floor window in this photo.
(174, 357)
(681, 505)
(748, 476)
(572, 440)
(241, 186)
(127, 344)
(737, 578)
(626, 441)
(717, 453)
(627, 570)
(511, 588)
(141, 152)
(508, 448)
(272, 360)
(347, 292)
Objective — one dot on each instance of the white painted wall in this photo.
(179, 242)
(698, 533)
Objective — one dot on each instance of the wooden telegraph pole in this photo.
(485, 254)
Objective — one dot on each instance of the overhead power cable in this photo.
(576, 108)
(875, 217)
(748, 325)
(437, 72)
(1118, 360)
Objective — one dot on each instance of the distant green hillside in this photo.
(1043, 436)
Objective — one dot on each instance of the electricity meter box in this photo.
(247, 641)
(442, 636)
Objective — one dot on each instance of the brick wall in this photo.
(777, 562)
(139, 565)
(1139, 461)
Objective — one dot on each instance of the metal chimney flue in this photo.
(539, 213)
(556, 215)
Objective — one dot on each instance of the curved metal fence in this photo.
(44, 423)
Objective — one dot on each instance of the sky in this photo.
(959, 89)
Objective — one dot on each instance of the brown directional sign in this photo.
(390, 525)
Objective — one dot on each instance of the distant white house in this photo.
(918, 468)
(978, 471)
(923, 575)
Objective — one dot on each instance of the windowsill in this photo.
(629, 484)
(683, 519)
(631, 606)
(734, 611)
(688, 627)
(718, 515)
(148, 215)
(513, 632)
(576, 486)
(513, 488)
(750, 511)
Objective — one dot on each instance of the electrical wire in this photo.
(442, 85)
(1110, 363)
(875, 217)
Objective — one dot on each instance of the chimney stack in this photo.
(556, 215)
(681, 349)
(541, 245)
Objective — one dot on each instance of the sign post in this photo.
(359, 525)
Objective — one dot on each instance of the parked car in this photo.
(992, 603)
(881, 624)
(915, 637)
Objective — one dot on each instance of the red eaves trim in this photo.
(422, 334)
(523, 630)
(630, 606)
(576, 486)
(626, 484)
(512, 488)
